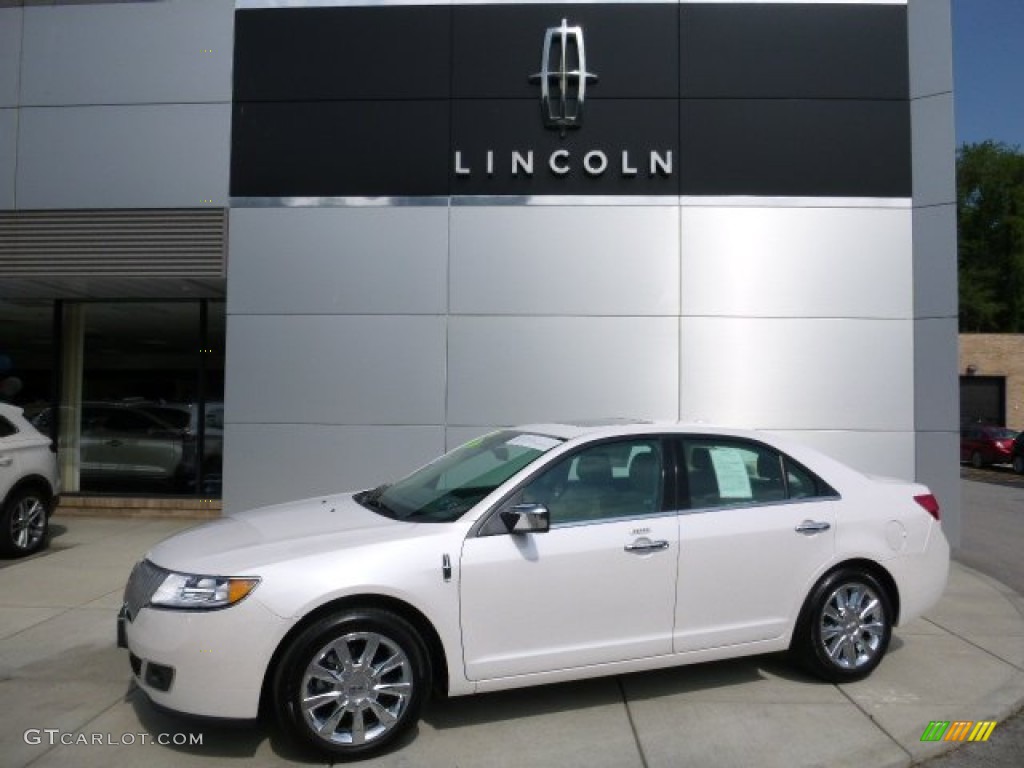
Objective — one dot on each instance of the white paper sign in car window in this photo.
(535, 442)
(731, 471)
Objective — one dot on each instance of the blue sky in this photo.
(988, 70)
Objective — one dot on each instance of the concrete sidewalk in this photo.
(60, 670)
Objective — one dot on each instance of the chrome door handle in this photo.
(641, 546)
(6, 461)
(811, 527)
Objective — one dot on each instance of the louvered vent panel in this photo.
(120, 243)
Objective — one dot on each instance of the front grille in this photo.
(143, 582)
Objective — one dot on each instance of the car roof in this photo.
(612, 427)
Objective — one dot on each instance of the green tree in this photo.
(990, 231)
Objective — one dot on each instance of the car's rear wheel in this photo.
(845, 626)
(1018, 464)
(352, 683)
(977, 461)
(25, 522)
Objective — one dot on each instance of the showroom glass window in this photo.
(140, 408)
(26, 354)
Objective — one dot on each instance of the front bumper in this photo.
(209, 663)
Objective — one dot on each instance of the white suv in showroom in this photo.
(28, 484)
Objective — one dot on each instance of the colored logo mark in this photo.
(958, 730)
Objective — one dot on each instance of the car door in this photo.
(759, 527)
(598, 587)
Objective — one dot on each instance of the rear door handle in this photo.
(811, 527)
(6, 461)
(643, 546)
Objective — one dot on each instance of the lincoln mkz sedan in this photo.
(531, 555)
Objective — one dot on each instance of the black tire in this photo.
(379, 689)
(976, 461)
(844, 627)
(1018, 464)
(24, 522)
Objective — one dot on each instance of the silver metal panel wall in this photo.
(879, 453)
(335, 369)
(936, 392)
(819, 373)
(8, 155)
(152, 156)
(134, 53)
(339, 260)
(936, 401)
(10, 55)
(796, 262)
(935, 278)
(508, 370)
(279, 462)
(937, 455)
(930, 35)
(933, 131)
(558, 260)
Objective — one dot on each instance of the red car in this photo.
(983, 445)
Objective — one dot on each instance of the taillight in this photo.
(930, 504)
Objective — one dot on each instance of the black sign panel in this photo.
(659, 99)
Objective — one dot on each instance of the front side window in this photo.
(722, 472)
(447, 488)
(603, 482)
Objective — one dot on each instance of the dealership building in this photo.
(339, 238)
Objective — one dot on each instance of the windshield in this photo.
(446, 488)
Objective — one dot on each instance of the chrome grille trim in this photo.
(142, 583)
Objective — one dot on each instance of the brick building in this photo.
(992, 378)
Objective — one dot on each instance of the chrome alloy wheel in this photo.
(853, 625)
(356, 688)
(28, 522)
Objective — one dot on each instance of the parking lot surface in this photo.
(68, 699)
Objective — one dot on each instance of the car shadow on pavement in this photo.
(221, 737)
(245, 738)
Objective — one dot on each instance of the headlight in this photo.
(184, 590)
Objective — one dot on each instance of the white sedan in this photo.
(531, 555)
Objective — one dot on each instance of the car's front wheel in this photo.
(25, 522)
(845, 626)
(1018, 464)
(976, 460)
(352, 683)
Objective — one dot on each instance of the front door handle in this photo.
(811, 527)
(6, 461)
(643, 546)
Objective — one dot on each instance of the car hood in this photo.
(240, 544)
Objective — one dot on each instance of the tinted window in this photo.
(6, 428)
(603, 482)
(721, 472)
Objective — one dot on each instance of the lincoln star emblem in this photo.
(563, 84)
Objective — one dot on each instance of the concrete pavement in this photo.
(62, 679)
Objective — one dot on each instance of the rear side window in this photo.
(725, 472)
(6, 428)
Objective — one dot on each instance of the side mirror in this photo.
(527, 518)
